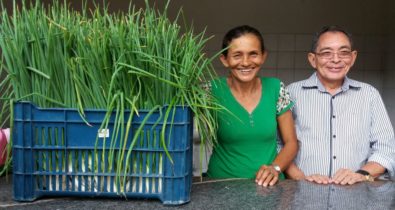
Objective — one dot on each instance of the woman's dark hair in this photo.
(329, 29)
(237, 32)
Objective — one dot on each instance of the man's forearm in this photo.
(374, 169)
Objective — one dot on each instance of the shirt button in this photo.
(334, 157)
(333, 116)
(334, 136)
(333, 97)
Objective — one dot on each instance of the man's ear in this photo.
(312, 59)
(223, 60)
(354, 57)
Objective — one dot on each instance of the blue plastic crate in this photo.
(53, 155)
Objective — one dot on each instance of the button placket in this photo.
(251, 120)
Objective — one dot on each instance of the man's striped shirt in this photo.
(344, 130)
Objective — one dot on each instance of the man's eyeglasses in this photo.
(329, 55)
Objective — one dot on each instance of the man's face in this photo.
(333, 58)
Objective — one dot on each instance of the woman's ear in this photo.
(224, 60)
(264, 56)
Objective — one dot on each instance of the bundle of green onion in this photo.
(58, 57)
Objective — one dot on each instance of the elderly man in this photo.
(344, 132)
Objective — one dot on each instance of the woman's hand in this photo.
(266, 176)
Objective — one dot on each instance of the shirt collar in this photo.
(314, 82)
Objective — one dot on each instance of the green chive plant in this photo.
(58, 57)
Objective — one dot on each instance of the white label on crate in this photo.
(104, 133)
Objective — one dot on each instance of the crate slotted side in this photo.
(54, 154)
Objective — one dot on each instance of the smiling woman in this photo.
(247, 134)
(244, 60)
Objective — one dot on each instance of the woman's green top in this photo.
(246, 141)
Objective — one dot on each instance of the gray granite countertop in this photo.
(234, 194)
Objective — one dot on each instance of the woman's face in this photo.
(244, 57)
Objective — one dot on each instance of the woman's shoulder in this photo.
(271, 81)
(219, 79)
(219, 82)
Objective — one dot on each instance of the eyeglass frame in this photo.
(331, 54)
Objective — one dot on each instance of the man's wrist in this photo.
(366, 174)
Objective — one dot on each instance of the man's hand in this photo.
(266, 176)
(346, 176)
(320, 179)
(342, 177)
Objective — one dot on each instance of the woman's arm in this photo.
(267, 175)
(288, 135)
(293, 172)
